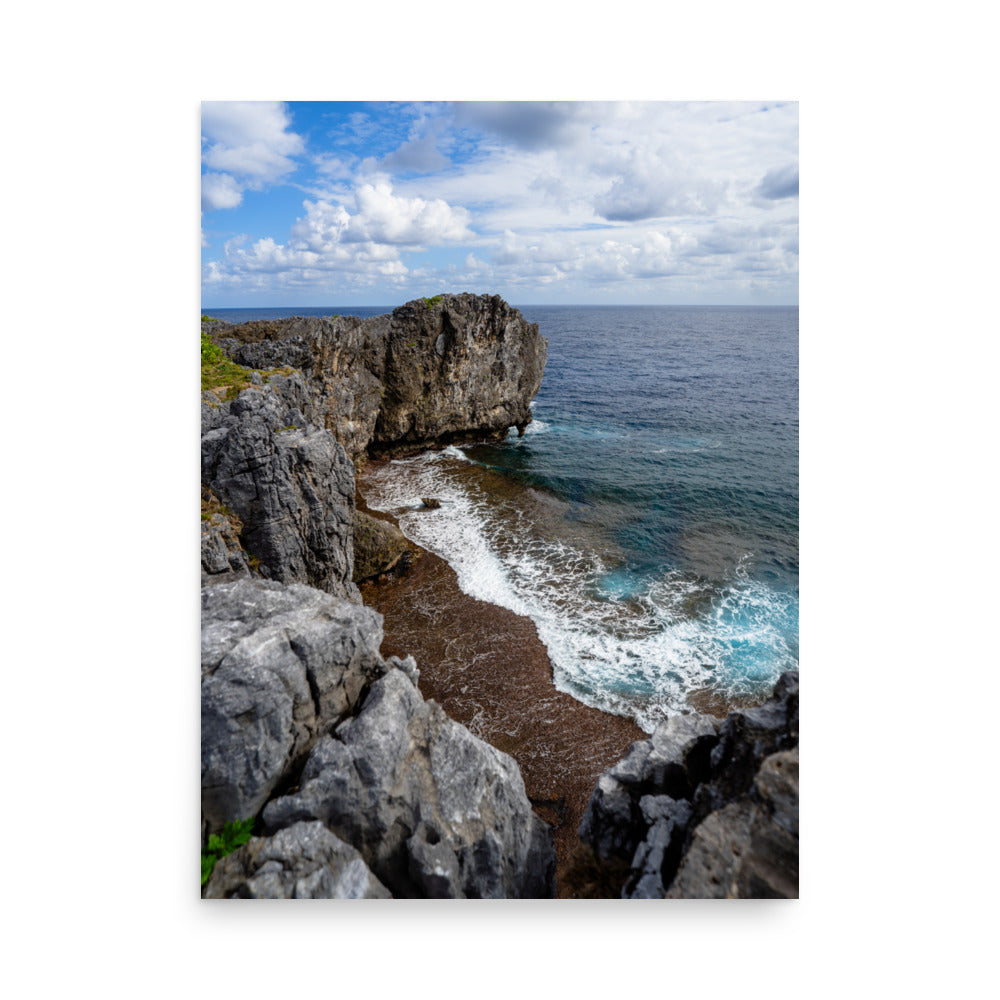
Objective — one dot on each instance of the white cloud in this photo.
(219, 191)
(329, 242)
(247, 145)
(655, 184)
(647, 199)
(383, 217)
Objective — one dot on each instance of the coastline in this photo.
(488, 670)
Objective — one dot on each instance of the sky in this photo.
(365, 203)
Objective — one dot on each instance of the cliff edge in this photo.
(353, 785)
(433, 372)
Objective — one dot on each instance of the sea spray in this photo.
(630, 644)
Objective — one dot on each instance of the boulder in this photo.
(304, 861)
(433, 810)
(378, 546)
(279, 666)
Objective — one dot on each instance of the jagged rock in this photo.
(289, 482)
(745, 739)
(709, 810)
(432, 809)
(431, 503)
(378, 546)
(279, 666)
(750, 847)
(222, 556)
(670, 763)
(304, 861)
(667, 821)
(461, 368)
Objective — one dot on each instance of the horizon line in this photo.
(568, 305)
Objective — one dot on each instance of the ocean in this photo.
(647, 521)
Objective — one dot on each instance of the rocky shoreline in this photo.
(348, 756)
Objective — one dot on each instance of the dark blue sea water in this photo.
(648, 519)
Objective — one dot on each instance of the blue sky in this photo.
(326, 203)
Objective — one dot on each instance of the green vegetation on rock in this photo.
(234, 834)
(432, 302)
(219, 373)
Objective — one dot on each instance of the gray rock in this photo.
(223, 557)
(304, 861)
(378, 546)
(289, 482)
(669, 763)
(279, 666)
(749, 849)
(431, 808)
(667, 821)
(464, 369)
(706, 810)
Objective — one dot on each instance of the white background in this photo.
(898, 215)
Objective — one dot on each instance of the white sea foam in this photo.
(629, 647)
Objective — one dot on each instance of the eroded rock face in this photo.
(279, 666)
(223, 557)
(705, 809)
(305, 861)
(468, 366)
(290, 483)
(463, 367)
(433, 810)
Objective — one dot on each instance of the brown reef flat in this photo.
(489, 670)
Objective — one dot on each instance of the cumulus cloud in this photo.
(383, 217)
(365, 245)
(219, 191)
(640, 200)
(777, 184)
(246, 144)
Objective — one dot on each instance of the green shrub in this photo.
(218, 372)
(234, 834)
(431, 303)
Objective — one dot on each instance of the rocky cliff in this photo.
(361, 787)
(357, 786)
(435, 371)
(705, 809)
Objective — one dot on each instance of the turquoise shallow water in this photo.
(648, 519)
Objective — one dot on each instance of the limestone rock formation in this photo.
(279, 666)
(223, 557)
(459, 367)
(301, 717)
(290, 483)
(749, 848)
(705, 809)
(305, 861)
(433, 810)
(296, 695)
